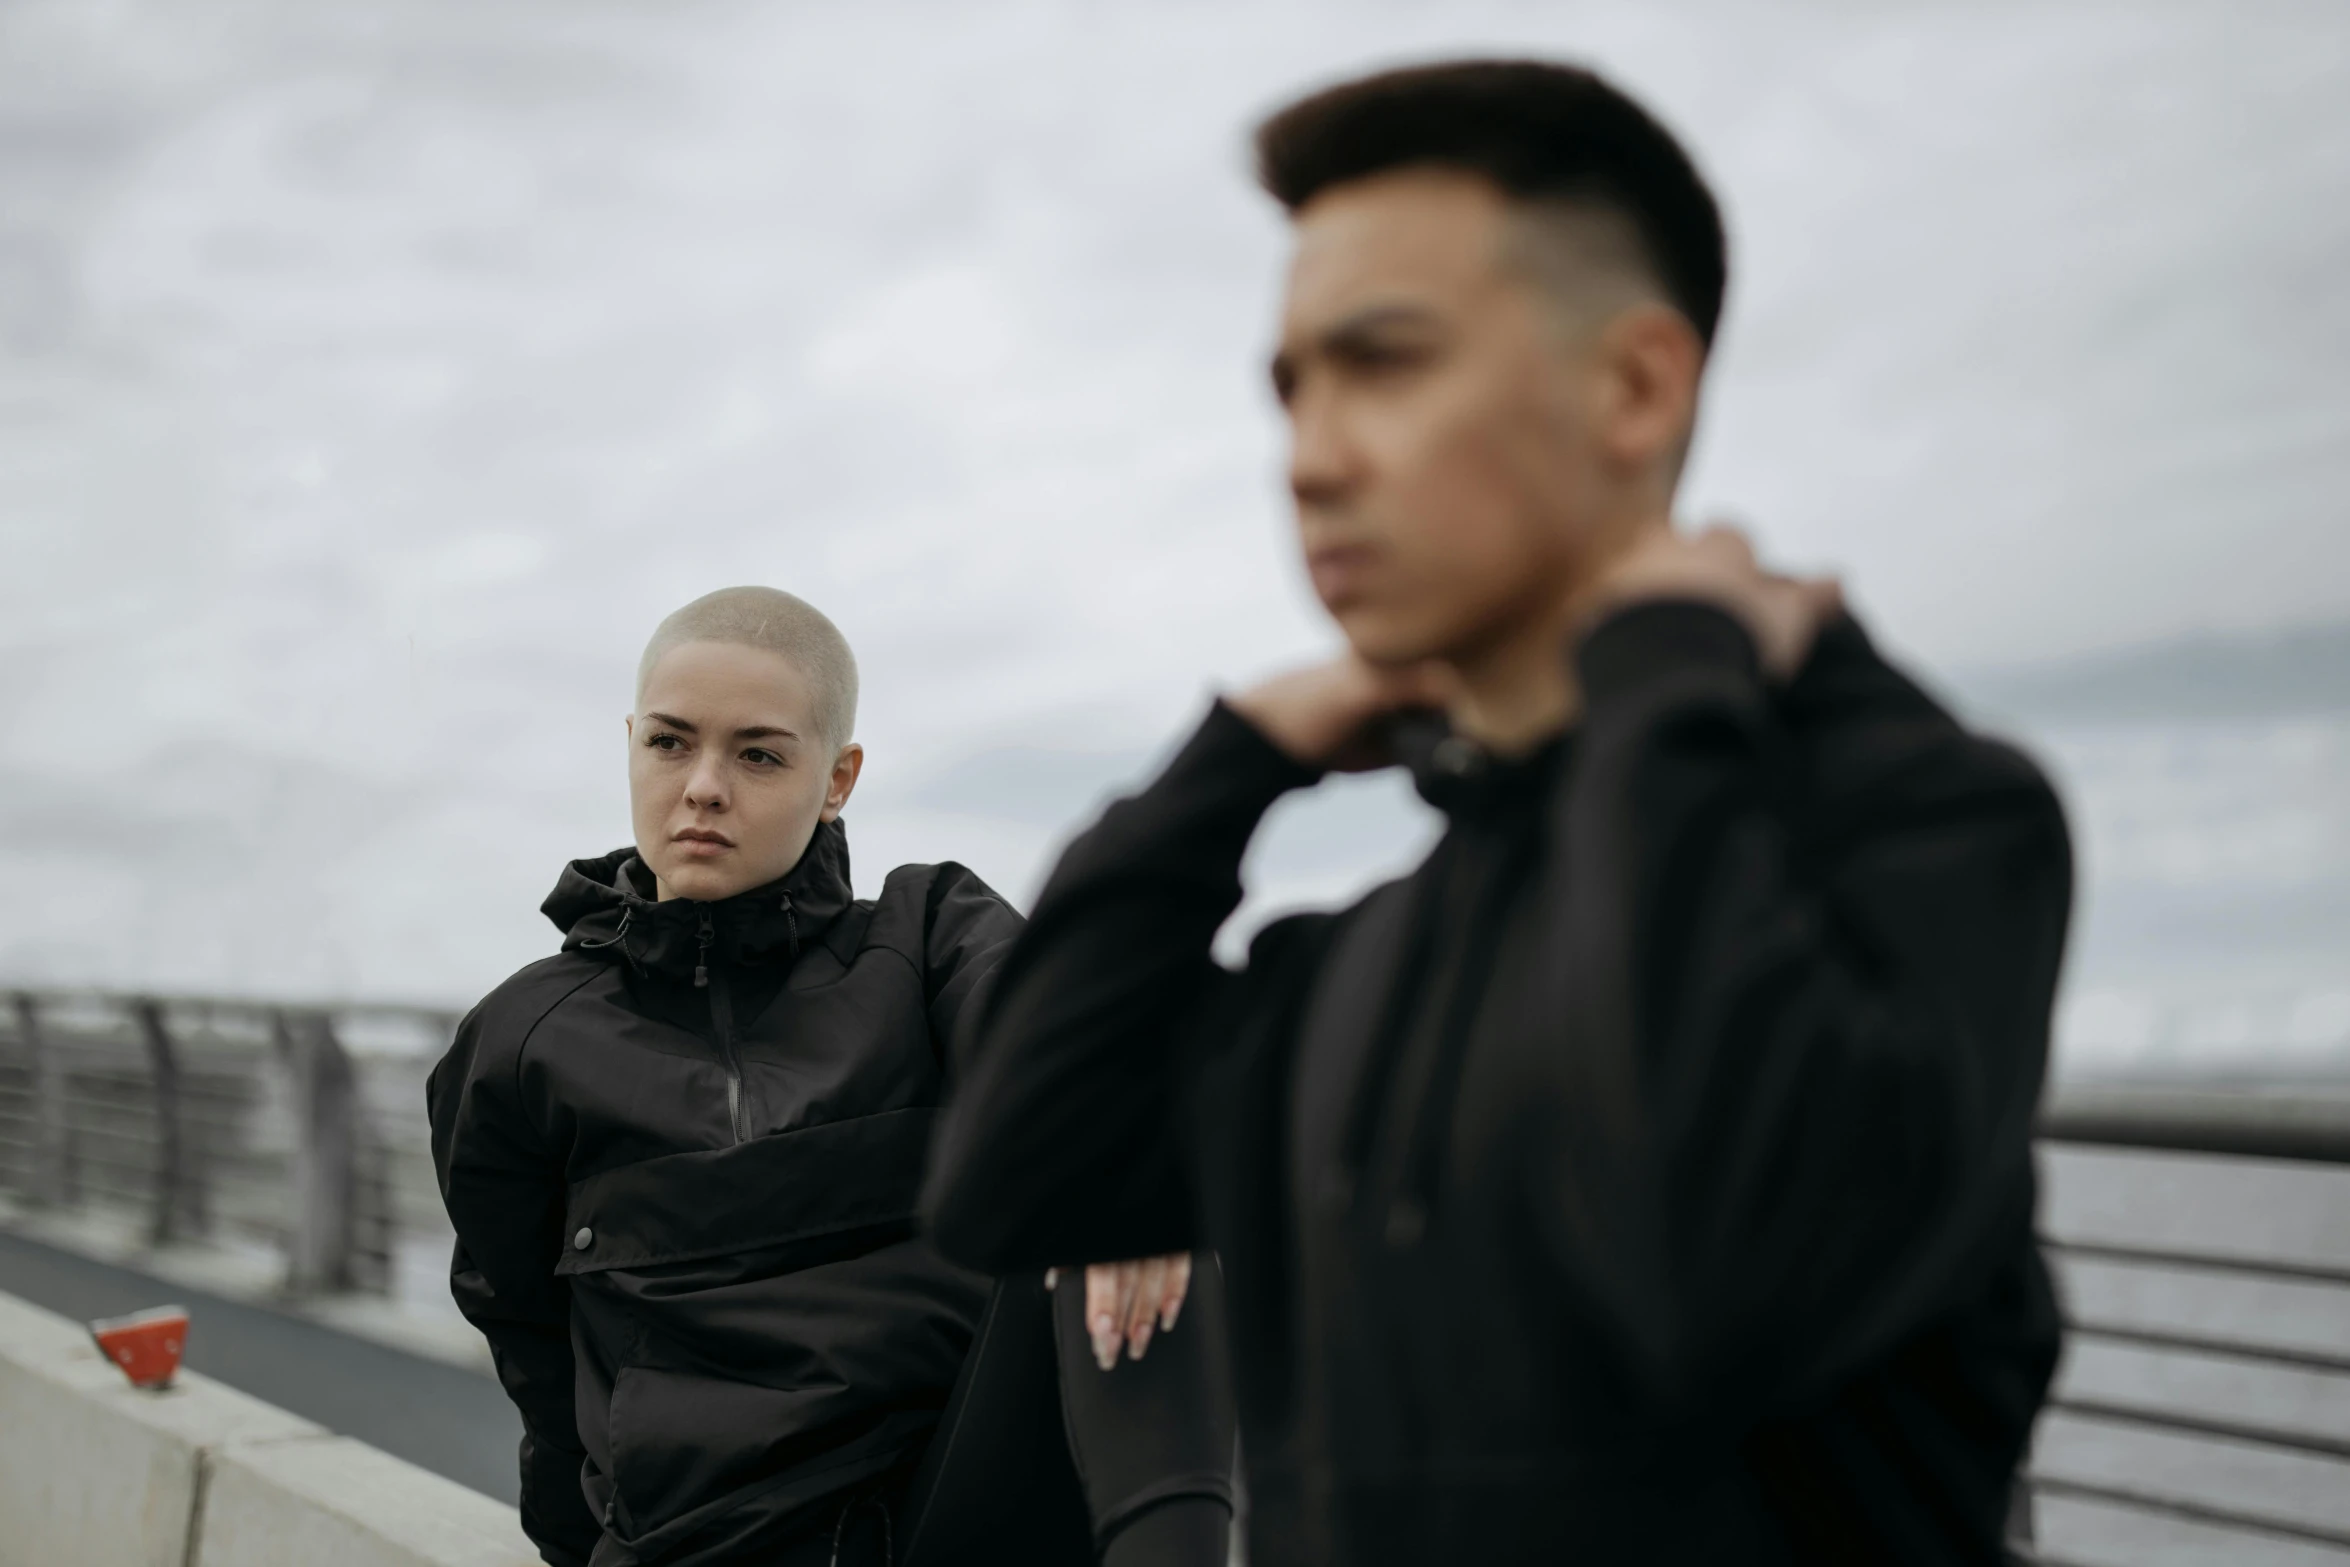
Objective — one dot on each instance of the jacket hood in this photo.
(608, 904)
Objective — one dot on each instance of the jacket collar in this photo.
(608, 904)
(1461, 777)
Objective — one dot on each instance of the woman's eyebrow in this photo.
(765, 732)
(673, 722)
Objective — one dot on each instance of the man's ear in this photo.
(1651, 361)
(843, 783)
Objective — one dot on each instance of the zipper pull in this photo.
(791, 925)
(702, 959)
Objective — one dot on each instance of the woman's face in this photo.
(728, 774)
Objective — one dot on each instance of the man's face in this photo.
(1440, 410)
(728, 774)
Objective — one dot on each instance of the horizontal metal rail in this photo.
(2278, 1268)
(2263, 1125)
(2309, 1442)
(2197, 1344)
(2194, 1512)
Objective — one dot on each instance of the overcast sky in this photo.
(375, 375)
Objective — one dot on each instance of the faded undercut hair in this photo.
(782, 624)
(1608, 196)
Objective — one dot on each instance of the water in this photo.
(2208, 782)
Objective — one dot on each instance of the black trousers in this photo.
(1045, 1460)
(1153, 1439)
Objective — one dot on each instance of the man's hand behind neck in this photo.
(1520, 689)
(1523, 689)
(1331, 715)
(1782, 614)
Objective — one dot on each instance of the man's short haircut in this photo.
(782, 624)
(1546, 134)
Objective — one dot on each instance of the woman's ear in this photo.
(843, 783)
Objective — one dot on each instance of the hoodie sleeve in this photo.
(1065, 1140)
(504, 1191)
(1806, 958)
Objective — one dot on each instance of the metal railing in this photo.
(2251, 1123)
(189, 1120)
(2204, 1410)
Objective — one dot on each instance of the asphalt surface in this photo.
(438, 1416)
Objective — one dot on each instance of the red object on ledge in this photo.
(146, 1344)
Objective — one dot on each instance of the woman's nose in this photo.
(706, 790)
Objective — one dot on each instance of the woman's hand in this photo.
(1126, 1302)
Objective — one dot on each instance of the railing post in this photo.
(326, 1186)
(46, 1184)
(175, 1170)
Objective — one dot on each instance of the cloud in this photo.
(378, 374)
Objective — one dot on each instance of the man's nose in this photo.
(1323, 464)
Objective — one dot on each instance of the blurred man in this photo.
(1646, 1177)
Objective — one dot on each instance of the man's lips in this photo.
(1340, 571)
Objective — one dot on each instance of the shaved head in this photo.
(770, 619)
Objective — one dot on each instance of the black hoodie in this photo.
(682, 1159)
(1646, 1178)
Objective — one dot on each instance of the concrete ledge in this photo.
(94, 1470)
(296, 1504)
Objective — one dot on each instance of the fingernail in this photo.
(1142, 1341)
(1168, 1316)
(1052, 1278)
(1105, 1351)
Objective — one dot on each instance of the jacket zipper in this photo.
(722, 1019)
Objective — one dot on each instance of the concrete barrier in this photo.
(297, 1504)
(93, 1470)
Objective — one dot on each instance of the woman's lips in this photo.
(700, 848)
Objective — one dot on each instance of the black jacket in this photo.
(682, 1159)
(1646, 1178)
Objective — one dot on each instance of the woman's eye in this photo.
(665, 742)
(759, 758)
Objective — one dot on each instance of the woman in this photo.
(682, 1158)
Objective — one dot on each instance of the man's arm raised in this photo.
(1064, 1143)
(1803, 992)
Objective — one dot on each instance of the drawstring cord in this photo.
(619, 938)
(849, 1509)
(702, 941)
